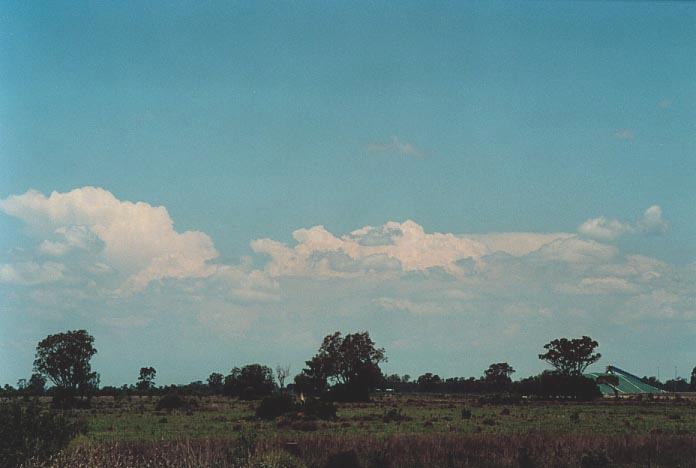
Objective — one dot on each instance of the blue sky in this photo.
(568, 129)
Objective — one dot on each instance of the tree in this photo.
(429, 382)
(251, 382)
(64, 359)
(571, 357)
(37, 384)
(350, 364)
(146, 379)
(693, 380)
(215, 381)
(282, 373)
(497, 376)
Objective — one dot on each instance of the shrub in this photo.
(551, 385)
(466, 413)
(27, 432)
(348, 393)
(170, 402)
(273, 406)
(347, 459)
(316, 408)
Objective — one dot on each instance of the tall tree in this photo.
(351, 361)
(215, 381)
(282, 373)
(146, 379)
(497, 376)
(571, 357)
(64, 359)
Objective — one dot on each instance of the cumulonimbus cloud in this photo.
(137, 239)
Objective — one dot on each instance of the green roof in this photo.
(628, 383)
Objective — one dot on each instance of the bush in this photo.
(171, 402)
(27, 432)
(348, 393)
(273, 406)
(550, 385)
(316, 408)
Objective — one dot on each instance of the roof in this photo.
(628, 383)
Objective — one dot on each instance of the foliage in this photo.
(27, 432)
(215, 382)
(64, 359)
(172, 401)
(350, 362)
(320, 409)
(550, 385)
(429, 382)
(275, 405)
(146, 379)
(497, 376)
(571, 357)
(251, 382)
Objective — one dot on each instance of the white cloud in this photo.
(652, 222)
(405, 246)
(517, 243)
(412, 307)
(603, 228)
(138, 239)
(31, 273)
(606, 229)
(395, 145)
(599, 285)
(575, 250)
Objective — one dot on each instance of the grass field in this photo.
(399, 430)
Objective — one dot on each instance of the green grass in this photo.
(217, 417)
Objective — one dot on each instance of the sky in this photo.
(203, 185)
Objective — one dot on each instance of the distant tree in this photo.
(37, 384)
(146, 379)
(497, 376)
(215, 382)
(282, 373)
(693, 380)
(64, 359)
(571, 357)
(653, 381)
(393, 381)
(429, 382)
(677, 385)
(251, 382)
(350, 364)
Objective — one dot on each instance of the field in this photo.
(403, 430)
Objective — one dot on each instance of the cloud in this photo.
(624, 134)
(602, 285)
(392, 246)
(606, 229)
(397, 146)
(31, 273)
(652, 222)
(138, 239)
(575, 250)
(407, 305)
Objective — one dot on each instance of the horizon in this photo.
(202, 187)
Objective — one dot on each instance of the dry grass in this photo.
(409, 450)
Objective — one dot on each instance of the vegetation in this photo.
(553, 419)
(64, 359)
(571, 357)
(29, 431)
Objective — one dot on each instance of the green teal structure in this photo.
(627, 383)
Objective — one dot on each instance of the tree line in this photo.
(345, 368)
